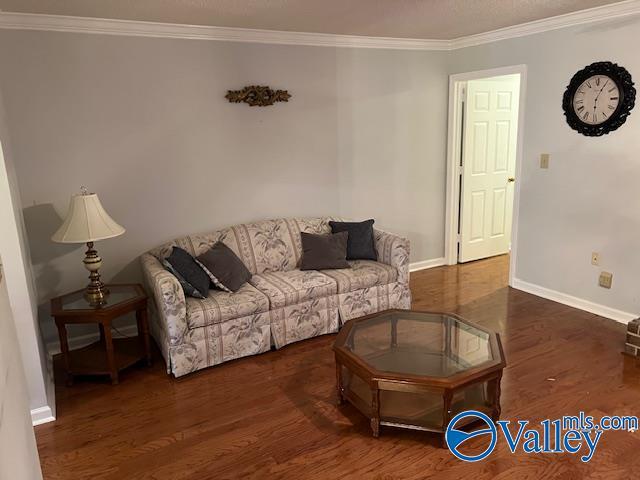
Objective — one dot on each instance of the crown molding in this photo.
(581, 17)
(59, 23)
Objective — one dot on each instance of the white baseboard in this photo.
(575, 302)
(424, 264)
(53, 348)
(42, 415)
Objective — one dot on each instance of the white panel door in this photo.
(488, 166)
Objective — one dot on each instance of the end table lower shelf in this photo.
(91, 360)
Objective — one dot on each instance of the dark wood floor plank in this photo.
(276, 415)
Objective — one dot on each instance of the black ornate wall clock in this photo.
(599, 99)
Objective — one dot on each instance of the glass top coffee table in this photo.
(417, 370)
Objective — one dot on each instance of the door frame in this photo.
(454, 139)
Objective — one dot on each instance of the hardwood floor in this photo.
(276, 415)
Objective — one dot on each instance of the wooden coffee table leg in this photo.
(447, 398)
(394, 333)
(375, 411)
(339, 383)
(494, 391)
(111, 358)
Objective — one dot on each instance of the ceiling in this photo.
(420, 19)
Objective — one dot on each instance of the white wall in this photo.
(588, 199)
(144, 123)
(18, 453)
(392, 111)
(20, 286)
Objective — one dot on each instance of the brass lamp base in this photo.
(96, 292)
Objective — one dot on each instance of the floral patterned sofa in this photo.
(280, 305)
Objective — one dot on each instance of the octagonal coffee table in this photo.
(417, 370)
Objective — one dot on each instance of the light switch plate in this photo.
(605, 279)
(544, 160)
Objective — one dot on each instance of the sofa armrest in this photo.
(393, 250)
(168, 297)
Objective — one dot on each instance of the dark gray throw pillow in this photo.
(360, 245)
(320, 252)
(193, 279)
(224, 268)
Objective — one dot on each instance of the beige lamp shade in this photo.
(86, 221)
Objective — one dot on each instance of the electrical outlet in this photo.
(595, 258)
(605, 279)
(544, 160)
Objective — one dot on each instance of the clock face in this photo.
(599, 98)
(596, 99)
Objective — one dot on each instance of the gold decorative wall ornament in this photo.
(257, 96)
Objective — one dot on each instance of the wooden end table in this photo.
(107, 356)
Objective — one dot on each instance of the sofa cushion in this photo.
(220, 306)
(361, 244)
(270, 245)
(318, 226)
(362, 274)
(323, 251)
(224, 268)
(294, 286)
(194, 280)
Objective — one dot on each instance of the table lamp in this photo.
(88, 222)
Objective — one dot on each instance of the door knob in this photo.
(511, 179)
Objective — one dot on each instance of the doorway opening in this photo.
(486, 113)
